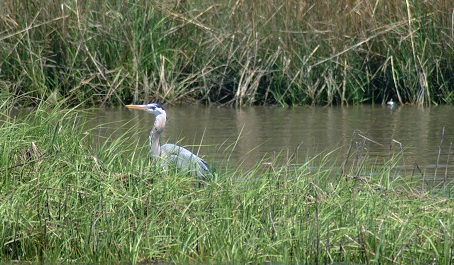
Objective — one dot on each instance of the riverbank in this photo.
(62, 200)
(236, 53)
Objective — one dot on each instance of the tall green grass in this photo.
(230, 52)
(63, 200)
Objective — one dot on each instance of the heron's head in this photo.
(153, 108)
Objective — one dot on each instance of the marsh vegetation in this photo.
(65, 199)
(62, 200)
(229, 52)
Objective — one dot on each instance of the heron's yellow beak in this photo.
(140, 107)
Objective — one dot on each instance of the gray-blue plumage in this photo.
(169, 155)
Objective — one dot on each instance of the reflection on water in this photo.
(227, 136)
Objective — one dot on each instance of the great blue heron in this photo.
(170, 154)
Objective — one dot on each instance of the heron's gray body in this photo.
(169, 155)
(185, 160)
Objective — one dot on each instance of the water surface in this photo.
(244, 137)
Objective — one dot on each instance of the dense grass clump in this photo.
(231, 52)
(62, 200)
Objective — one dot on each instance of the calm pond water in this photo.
(244, 137)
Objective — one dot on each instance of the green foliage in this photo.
(62, 200)
(238, 53)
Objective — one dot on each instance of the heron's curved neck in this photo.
(155, 134)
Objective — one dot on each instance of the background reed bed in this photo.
(63, 200)
(231, 52)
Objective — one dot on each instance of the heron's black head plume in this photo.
(153, 105)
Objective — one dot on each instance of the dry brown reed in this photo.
(232, 52)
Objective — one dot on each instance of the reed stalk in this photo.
(235, 52)
(62, 199)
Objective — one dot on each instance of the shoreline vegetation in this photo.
(63, 200)
(230, 52)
